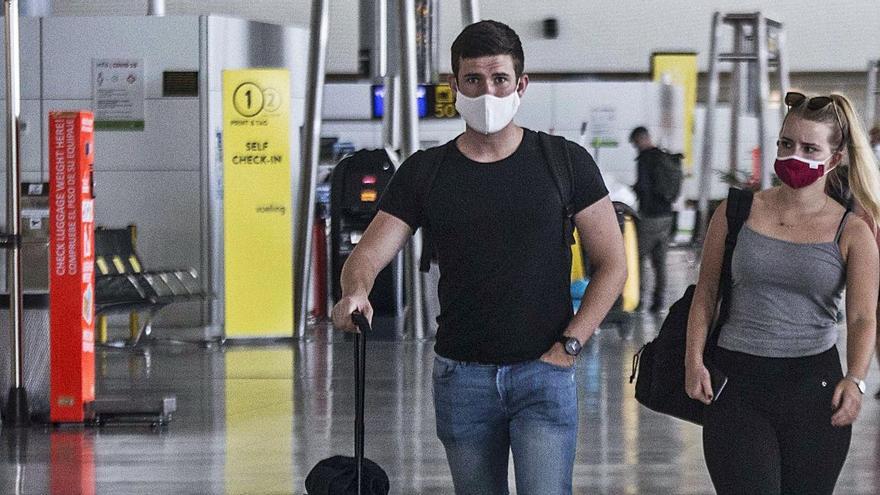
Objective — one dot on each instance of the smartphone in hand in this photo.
(718, 378)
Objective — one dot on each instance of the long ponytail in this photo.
(864, 174)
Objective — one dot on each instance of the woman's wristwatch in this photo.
(858, 381)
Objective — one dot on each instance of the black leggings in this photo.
(770, 430)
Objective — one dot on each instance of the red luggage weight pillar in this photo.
(71, 266)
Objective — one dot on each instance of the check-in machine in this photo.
(356, 186)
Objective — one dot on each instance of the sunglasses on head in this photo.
(794, 99)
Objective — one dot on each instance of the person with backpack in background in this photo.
(658, 184)
(783, 424)
(500, 213)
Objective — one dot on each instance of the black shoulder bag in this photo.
(660, 364)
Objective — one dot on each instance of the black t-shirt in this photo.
(499, 238)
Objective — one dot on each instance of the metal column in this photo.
(409, 128)
(373, 39)
(390, 80)
(401, 114)
(17, 411)
(470, 12)
(311, 149)
(156, 8)
(709, 129)
(738, 93)
(763, 96)
(754, 36)
(35, 8)
(427, 40)
(781, 68)
(871, 93)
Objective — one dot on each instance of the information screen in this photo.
(378, 91)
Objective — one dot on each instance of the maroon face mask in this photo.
(798, 172)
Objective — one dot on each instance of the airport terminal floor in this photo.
(254, 419)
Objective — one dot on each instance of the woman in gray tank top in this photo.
(787, 398)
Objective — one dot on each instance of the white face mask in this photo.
(487, 114)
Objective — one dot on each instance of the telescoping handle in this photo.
(360, 354)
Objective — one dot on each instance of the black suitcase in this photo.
(343, 475)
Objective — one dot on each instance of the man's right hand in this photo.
(346, 306)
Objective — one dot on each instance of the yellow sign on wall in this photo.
(681, 68)
(257, 203)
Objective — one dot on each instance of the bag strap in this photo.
(433, 159)
(841, 226)
(561, 170)
(739, 205)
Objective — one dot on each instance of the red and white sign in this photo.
(71, 265)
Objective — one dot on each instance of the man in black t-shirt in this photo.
(507, 340)
(655, 216)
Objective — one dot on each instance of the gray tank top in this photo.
(785, 297)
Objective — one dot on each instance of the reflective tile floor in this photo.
(254, 419)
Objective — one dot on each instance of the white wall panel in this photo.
(748, 141)
(168, 229)
(594, 36)
(361, 134)
(30, 138)
(226, 50)
(162, 43)
(342, 45)
(435, 132)
(29, 152)
(533, 111)
(559, 107)
(167, 142)
(619, 35)
(168, 233)
(29, 53)
(347, 101)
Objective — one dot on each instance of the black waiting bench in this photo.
(123, 285)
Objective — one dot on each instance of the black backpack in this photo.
(668, 176)
(557, 158)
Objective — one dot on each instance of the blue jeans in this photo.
(486, 411)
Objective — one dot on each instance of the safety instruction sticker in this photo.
(603, 127)
(118, 94)
(88, 210)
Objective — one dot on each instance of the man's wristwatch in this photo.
(859, 383)
(572, 345)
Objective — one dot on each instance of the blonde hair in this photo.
(861, 171)
(864, 175)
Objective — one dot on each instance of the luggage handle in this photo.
(360, 354)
